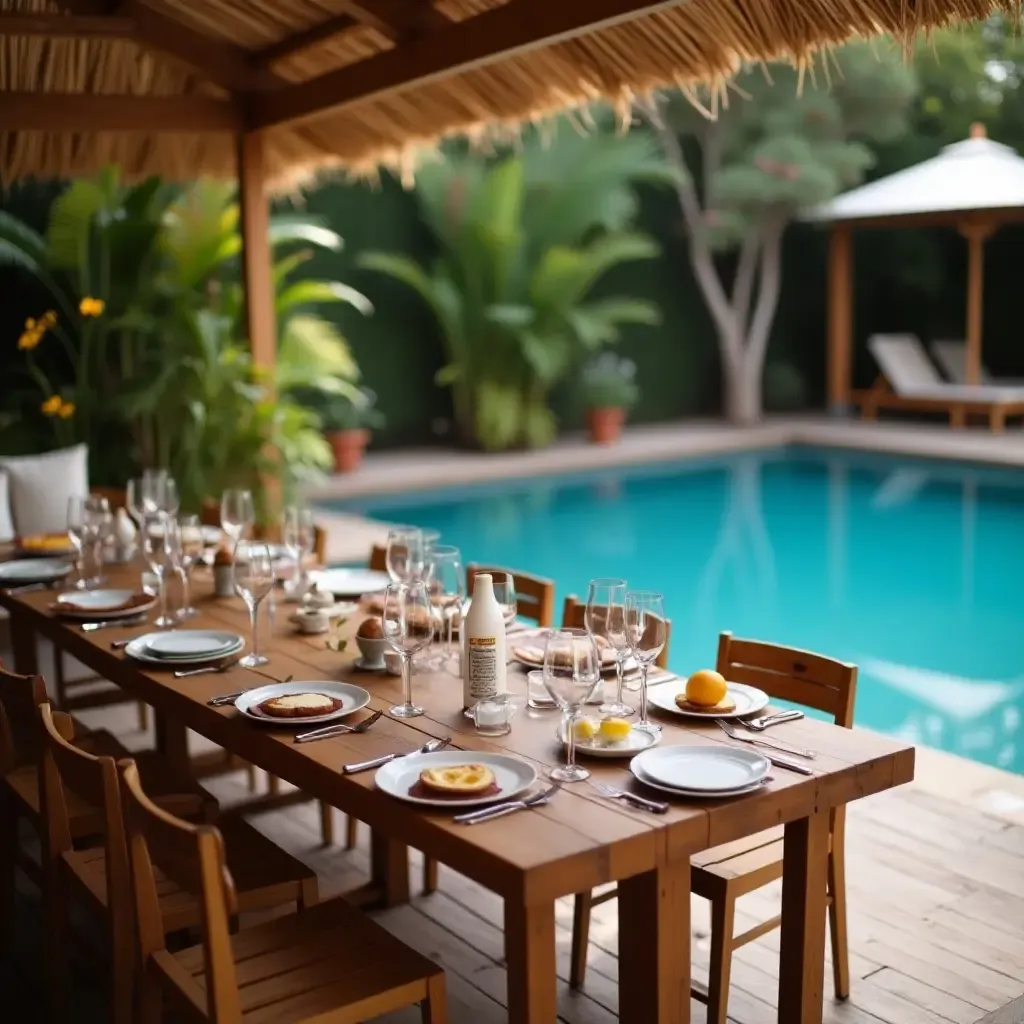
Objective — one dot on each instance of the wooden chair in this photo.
(574, 617)
(269, 877)
(331, 963)
(723, 874)
(379, 558)
(535, 596)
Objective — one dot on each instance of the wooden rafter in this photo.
(305, 40)
(69, 26)
(514, 28)
(77, 112)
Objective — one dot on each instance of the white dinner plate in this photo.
(749, 700)
(191, 643)
(351, 582)
(100, 604)
(353, 698)
(699, 794)
(139, 650)
(527, 648)
(636, 742)
(512, 775)
(706, 769)
(33, 570)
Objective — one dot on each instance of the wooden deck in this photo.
(936, 919)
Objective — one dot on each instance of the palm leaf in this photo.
(71, 222)
(21, 246)
(285, 229)
(304, 293)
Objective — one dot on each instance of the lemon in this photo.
(585, 729)
(705, 688)
(614, 730)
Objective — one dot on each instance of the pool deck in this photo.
(391, 472)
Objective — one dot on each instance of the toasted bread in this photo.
(463, 779)
(723, 707)
(300, 705)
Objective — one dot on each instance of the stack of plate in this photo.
(174, 648)
(23, 571)
(708, 772)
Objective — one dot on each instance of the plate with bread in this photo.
(301, 703)
(456, 778)
(528, 649)
(708, 694)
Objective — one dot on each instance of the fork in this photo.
(224, 698)
(500, 810)
(735, 734)
(654, 806)
(340, 729)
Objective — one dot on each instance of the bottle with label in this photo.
(483, 630)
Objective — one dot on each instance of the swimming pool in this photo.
(913, 569)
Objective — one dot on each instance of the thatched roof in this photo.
(392, 75)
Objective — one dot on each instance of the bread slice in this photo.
(723, 707)
(300, 705)
(463, 779)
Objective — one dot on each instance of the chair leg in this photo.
(250, 777)
(582, 905)
(429, 875)
(150, 998)
(351, 832)
(59, 682)
(326, 824)
(723, 914)
(8, 869)
(142, 709)
(273, 785)
(434, 1009)
(837, 921)
(55, 903)
(309, 893)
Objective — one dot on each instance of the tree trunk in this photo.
(742, 386)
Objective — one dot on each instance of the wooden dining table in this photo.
(578, 841)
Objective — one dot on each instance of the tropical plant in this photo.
(345, 412)
(523, 241)
(609, 382)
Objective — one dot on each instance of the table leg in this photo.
(172, 743)
(389, 869)
(24, 645)
(654, 945)
(530, 956)
(802, 933)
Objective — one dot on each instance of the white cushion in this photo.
(40, 486)
(6, 521)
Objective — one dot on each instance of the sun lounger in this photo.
(910, 381)
(952, 359)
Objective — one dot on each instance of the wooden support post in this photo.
(975, 234)
(840, 319)
(257, 278)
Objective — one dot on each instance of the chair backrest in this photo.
(574, 613)
(21, 741)
(66, 768)
(535, 596)
(787, 673)
(952, 359)
(904, 363)
(379, 558)
(192, 856)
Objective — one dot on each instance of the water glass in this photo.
(167, 496)
(446, 581)
(405, 553)
(155, 551)
(76, 532)
(189, 549)
(153, 481)
(572, 672)
(134, 499)
(237, 513)
(605, 617)
(254, 580)
(647, 634)
(505, 594)
(98, 523)
(408, 628)
(297, 534)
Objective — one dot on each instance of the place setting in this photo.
(22, 573)
(178, 649)
(103, 605)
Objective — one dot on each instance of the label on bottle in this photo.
(482, 671)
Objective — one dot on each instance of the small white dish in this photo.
(351, 582)
(190, 643)
(352, 697)
(749, 700)
(512, 775)
(138, 650)
(33, 570)
(636, 743)
(312, 621)
(697, 794)
(705, 769)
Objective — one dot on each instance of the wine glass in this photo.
(155, 551)
(505, 594)
(408, 628)
(152, 488)
(447, 584)
(254, 579)
(404, 556)
(236, 513)
(572, 672)
(605, 616)
(188, 551)
(297, 535)
(76, 530)
(646, 633)
(167, 498)
(134, 499)
(430, 539)
(96, 530)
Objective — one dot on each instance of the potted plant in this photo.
(609, 390)
(347, 422)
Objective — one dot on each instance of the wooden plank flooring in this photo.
(936, 918)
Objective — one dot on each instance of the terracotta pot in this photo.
(605, 424)
(348, 447)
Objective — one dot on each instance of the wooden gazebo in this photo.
(274, 90)
(974, 186)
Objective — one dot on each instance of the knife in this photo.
(785, 762)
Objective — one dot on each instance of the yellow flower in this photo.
(91, 307)
(30, 338)
(29, 324)
(48, 319)
(66, 411)
(52, 405)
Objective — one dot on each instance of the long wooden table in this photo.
(578, 841)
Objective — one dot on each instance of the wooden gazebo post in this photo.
(257, 278)
(840, 318)
(976, 232)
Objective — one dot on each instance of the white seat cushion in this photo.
(40, 486)
(6, 519)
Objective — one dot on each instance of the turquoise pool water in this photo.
(912, 569)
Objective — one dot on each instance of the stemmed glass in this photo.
(237, 513)
(647, 633)
(605, 616)
(431, 538)
(76, 532)
(155, 549)
(505, 594)
(405, 553)
(408, 628)
(153, 481)
(572, 672)
(134, 499)
(97, 524)
(188, 549)
(167, 498)
(254, 579)
(297, 535)
(446, 582)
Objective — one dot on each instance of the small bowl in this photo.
(312, 620)
(392, 661)
(374, 651)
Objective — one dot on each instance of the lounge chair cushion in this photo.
(40, 486)
(6, 520)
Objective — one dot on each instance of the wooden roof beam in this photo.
(66, 26)
(515, 28)
(85, 112)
